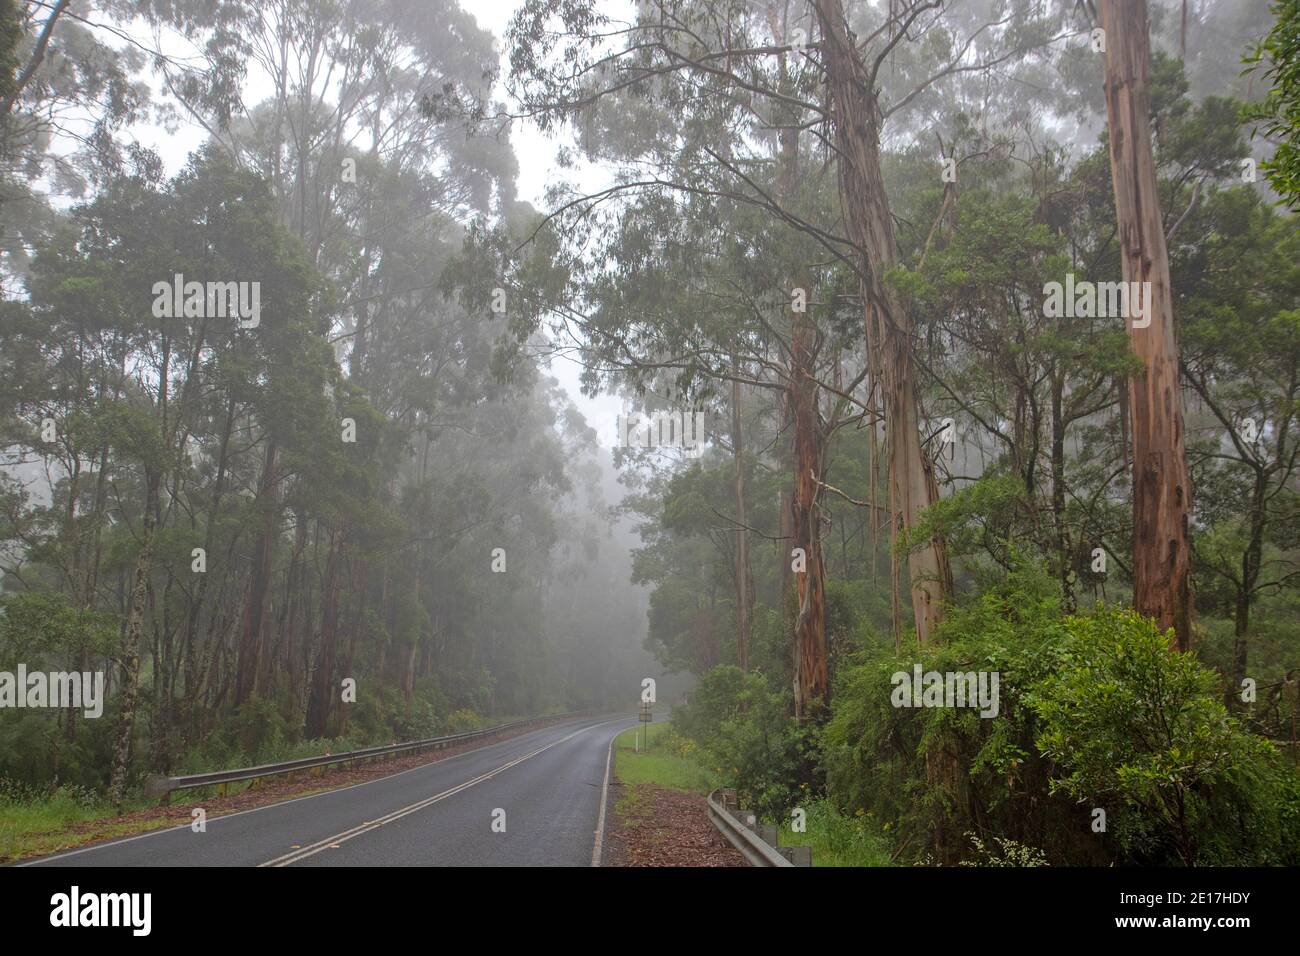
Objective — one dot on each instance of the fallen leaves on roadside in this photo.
(664, 827)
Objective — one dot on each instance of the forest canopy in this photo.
(944, 336)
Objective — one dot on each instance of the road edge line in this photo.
(604, 795)
(302, 853)
(91, 847)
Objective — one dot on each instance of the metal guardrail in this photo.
(164, 786)
(749, 837)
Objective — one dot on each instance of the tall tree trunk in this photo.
(296, 602)
(1251, 561)
(811, 680)
(743, 584)
(131, 646)
(912, 485)
(1064, 553)
(358, 577)
(323, 689)
(251, 639)
(1162, 491)
(811, 673)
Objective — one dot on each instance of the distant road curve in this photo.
(549, 782)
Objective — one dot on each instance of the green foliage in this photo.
(837, 839)
(29, 815)
(11, 34)
(1130, 724)
(1279, 111)
(1095, 712)
(37, 626)
(744, 730)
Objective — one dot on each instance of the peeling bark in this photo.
(1162, 490)
(130, 697)
(912, 485)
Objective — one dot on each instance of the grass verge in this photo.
(837, 840)
(667, 761)
(40, 826)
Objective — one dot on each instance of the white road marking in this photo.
(333, 841)
(271, 806)
(604, 792)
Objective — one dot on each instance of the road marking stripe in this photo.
(314, 848)
(282, 803)
(604, 792)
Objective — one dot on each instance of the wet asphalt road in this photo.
(548, 782)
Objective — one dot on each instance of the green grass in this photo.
(837, 840)
(41, 825)
(38, 823)
(667, 762)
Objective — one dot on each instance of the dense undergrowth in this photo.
(1106, 748)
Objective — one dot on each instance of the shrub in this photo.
(742, 725)
(1095, 712)
(931, 774)
(1134, 726)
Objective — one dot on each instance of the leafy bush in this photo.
(1095, 712)
(931, 774)
(462, 720)
(17, 793)
(743, 727)
(1132, 725)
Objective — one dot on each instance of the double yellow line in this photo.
(301, 853)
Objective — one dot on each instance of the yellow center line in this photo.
(333, 841)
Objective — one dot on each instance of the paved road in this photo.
(547, 781)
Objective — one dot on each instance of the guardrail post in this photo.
(730, 800)
(797, 855)
(741, 833)
(159, 786)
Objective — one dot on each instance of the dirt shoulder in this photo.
(659, 826)
(659, 815)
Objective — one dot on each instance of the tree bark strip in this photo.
(912, 485)
(1162, 491)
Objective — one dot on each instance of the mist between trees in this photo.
(850, 238)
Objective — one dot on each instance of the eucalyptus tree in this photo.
(762, 65)
(1162, 490)
(370, 172)
(701, 111)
